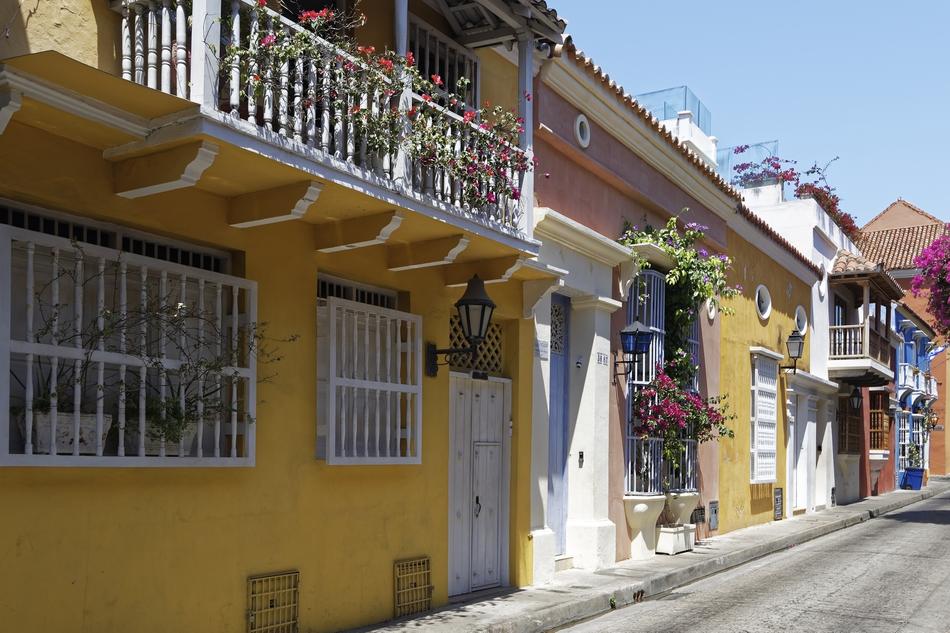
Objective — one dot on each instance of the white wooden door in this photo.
(480, 413)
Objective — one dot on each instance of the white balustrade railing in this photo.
(116, 359)
(905, 376)
(303, 99)
(932, 386)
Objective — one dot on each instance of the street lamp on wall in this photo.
(635, 340)
(855, 399)
(475, 309)
(796, 347)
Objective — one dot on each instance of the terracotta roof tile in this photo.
(847, 262)
(897, 248)
(578, 56)
(549, 12)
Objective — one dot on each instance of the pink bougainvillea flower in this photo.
(410, 59)
(437, 80)
(491, 197)
(268, 39)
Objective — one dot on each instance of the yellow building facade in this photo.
(172, 548)
(745, 334)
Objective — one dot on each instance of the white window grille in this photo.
(117, 359)
(764, 423)
(369, 384)
(438, 54)
(647, 304)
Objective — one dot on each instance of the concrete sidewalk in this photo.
(575, 595)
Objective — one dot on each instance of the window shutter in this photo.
(369, 384)
(764, 421)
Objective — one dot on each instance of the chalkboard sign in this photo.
(779, 504)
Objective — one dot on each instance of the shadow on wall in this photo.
(86, 30)
(761, 498)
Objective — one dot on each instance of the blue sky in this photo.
(866, 81)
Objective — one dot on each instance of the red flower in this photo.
(426, 98)
(410, 60)
(386, 64)
(527, 96)
(262, 3)
(268, 39)
(437, 80)
(366, 50)
(306, 16)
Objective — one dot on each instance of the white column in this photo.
(542, 537)
(401, 25)
(526, 112)
(591, 535)
(205, 45)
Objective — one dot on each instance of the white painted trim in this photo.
(10, 102)
(768, 353)
(73, 103)
(381, 238)
(534, 290)
(594, 302)
(298, 210)
(562, 230)
(203, 159)
(802, 380)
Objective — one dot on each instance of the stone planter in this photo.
(681, 505)
(153, 445)
(673, 539)
(642, 511)
(42, 423)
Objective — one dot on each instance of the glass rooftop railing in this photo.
(665, 104)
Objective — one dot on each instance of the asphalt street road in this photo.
(886, 575)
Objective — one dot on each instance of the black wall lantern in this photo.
(796, 347)
(475, 310)
(635, 340)
(855, 399)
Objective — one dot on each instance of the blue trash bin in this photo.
(912, 479)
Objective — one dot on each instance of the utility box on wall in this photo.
(713, 516)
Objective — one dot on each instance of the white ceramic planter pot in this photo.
(153, 445)
(681, 505)
(642, 511)
(675, 539)
(42, 423)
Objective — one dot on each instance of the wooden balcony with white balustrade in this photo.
(861, 350)
(179, 115)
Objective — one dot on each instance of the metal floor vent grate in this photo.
(412, 586)
(272, 602)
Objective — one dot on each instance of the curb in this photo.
(572, 612)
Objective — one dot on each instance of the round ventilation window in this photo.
(582, 130)
(763, 302)
(801, 319)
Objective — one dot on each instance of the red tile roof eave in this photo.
(588, 65)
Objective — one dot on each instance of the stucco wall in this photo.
(177, 544)
(741, 502)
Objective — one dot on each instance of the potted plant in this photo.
(166, 422)
(913, 476)
(41, 411)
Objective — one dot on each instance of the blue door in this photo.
(558, 441)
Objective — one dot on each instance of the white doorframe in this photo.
(460, 524)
